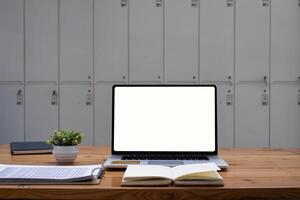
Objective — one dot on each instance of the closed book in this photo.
(40, 147)
(155, 175)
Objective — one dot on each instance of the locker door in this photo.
(111, 40)
(225, 115)
(216, 40)
(103, 114)
(41, 35)
(12, 113)
(285, 115)
(251, 116)
(41, 112)
(76, 110)
(181, 40)
(285, 40)
(252, 39)
(11, 40)
(146, 40)
(76, 40)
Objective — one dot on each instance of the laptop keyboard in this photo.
(164, 157)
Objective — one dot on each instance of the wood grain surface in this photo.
(254, 174)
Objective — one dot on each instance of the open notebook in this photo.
(37, 174)
(155, 175)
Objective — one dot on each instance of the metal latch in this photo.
(158, 3)
(124, 3)
(265, 3)
(229, 3)
(194, 3)
(54, 98)
(89, 98)
(20, 97)
(264, 98)
(229, 98)
(298, 99)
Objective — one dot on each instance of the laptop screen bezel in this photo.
(114, 152)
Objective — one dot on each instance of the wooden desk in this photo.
(253, 174)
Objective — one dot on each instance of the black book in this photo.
(42, 147)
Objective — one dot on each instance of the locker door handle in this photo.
(89, 98)
(265, 3)
(264, 98)
(194, 3)
(124, 3)
(229, 3)
(54, 98)
(229, 98)
(20, 97)
(158, 3)
(298, 99)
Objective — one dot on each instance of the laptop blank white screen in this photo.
(170, 118)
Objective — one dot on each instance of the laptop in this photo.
(166, 125)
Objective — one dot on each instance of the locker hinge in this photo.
(124, 3)
(265, 98)
(265, 3)
(89, 98)
(158, 3)
(229, 3)
(194, 3)
(54, 98)
(229, 98)
(20, 97)
(299, 3)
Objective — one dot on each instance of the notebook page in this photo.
(147, 171)
(193, 168)
(46, 172)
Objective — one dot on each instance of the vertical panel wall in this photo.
(285, 115)
(216, 40)
(11, 40)
(252, 72)
(41, 111)
(76, 40)
(76, 110)
(285, 42)
(252, 40)
(251, 117)
(181, 41)
(111, 40)
(285, 73)
(12, 113)
(146, 40)
(41, 35)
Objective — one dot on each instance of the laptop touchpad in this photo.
(165, 162)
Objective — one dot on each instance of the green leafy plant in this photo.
(65, 138)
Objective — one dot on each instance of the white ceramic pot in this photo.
(65, 154)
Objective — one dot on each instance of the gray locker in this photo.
(41, 117)
(11, 40)
(76, 40)
(111, 40)
(103, 114)
(285, 40)
(225, 108)
(146, 40)
(216, 40)
(252, 39)
(181, 40)
(12, 113)
(251, 116)
(285, 115)
(41, 36)
(76, 110)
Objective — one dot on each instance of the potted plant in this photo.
(65, 143)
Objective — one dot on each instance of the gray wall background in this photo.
(59, 59)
